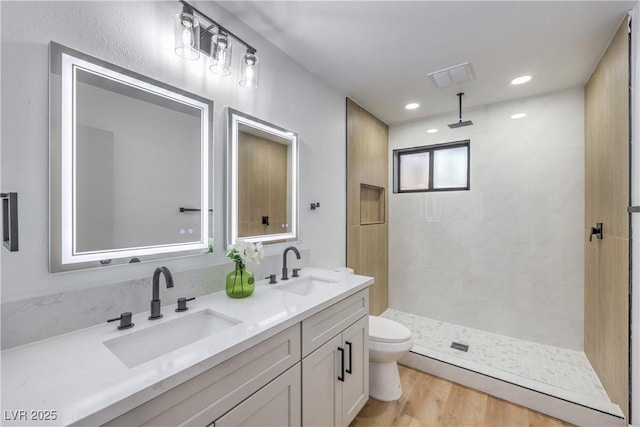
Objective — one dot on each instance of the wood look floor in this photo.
(432, 401)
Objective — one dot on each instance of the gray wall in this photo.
(139, 36)
(506, 256)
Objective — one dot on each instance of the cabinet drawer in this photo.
(220, 388)
(321, 327)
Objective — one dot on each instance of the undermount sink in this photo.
(307, 285)
(147, 344)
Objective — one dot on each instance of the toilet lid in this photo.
(387, 330)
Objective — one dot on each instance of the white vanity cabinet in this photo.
(315, 373)
(277, 366)
(335, 375)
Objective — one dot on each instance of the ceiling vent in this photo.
(452, 76)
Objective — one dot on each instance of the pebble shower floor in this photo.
(542, 367)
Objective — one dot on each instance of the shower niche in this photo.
(371, 205)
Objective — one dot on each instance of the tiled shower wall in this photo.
(506, 256)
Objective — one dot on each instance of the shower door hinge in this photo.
(633, 209)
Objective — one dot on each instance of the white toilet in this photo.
(388, 342)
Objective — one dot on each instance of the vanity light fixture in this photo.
(187, 34)
(215, 41)
(434, 130)
(221, 54)
(249, 70)
(518, 116)
(412, 106)
(520, 80)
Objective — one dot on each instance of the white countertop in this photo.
(79, 378)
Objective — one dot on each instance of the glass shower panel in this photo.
(450, 168)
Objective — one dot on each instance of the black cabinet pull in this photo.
(341, 376)
(349, 369)
(10, 221)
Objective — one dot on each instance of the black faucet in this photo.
(285, 271)
(155, 297)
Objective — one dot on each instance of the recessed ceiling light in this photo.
(518, 116)
(432, 130)
(412, 106)
(520, 80)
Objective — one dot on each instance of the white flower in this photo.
(247, 251)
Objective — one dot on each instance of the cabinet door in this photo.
(321, 389)
(355, 389)
(276, 404)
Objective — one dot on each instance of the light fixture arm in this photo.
(214, 24)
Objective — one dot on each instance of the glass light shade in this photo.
(220, 54)
(187, 36)
(249, 71)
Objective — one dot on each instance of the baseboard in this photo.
(550, 405)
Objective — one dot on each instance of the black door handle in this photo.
(349, 369)
(597, 231)
(341, 376)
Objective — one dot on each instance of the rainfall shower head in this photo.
(460, 122)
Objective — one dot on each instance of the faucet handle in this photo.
(295, 272)
(125, 320)
(272, 279)
(182, 304)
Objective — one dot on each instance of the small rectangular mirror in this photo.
(262, 181)
(130, 161)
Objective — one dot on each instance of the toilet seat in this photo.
(387, 331)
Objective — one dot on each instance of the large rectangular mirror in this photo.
(262, 181)
(130, 165)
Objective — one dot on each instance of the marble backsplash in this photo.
(36, 318)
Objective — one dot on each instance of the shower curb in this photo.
(556, 407)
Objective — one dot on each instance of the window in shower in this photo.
(442, 167)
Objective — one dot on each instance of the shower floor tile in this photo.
(546, 365)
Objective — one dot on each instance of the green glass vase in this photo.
(240, 282)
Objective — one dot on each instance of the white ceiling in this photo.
(380, 52)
